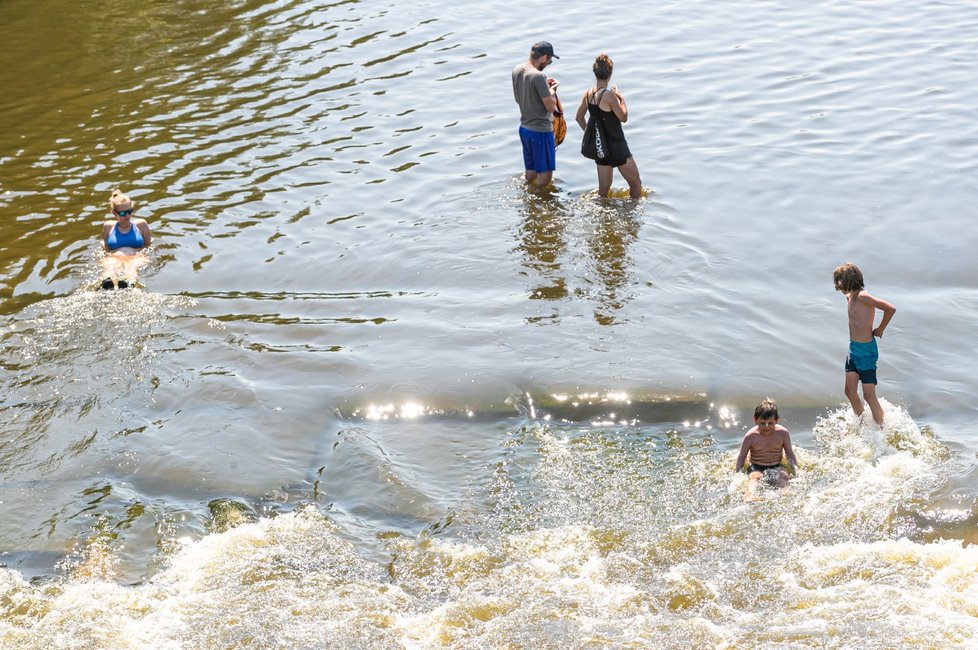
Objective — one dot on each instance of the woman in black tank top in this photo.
(608, 106)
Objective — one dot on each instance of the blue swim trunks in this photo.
(539, 150)
(862, 359)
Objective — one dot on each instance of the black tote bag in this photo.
(594, 144)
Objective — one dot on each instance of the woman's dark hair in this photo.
(603, 65)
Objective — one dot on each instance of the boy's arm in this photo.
(887, 309)
(742, 456)
(789, 452)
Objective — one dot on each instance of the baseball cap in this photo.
(543, 47)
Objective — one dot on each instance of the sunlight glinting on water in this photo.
(371, 392)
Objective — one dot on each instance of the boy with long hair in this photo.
(863, 352)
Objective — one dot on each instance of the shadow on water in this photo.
(578, 249)
(542, 243)
(615, 226)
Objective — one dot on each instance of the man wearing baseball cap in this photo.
(532, 91)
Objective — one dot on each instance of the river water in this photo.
(373, 393)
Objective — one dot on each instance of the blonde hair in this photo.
(118, 198)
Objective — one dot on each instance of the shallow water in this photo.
(373, 393)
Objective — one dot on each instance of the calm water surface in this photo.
(373, 393)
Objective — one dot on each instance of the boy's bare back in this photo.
(862, 313)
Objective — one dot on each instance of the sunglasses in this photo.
(124, 213)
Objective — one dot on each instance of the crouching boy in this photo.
(767, 444)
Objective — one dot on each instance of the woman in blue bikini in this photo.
(124, 238)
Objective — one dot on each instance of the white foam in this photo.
(848, 436)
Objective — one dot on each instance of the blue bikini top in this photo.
(131, 239)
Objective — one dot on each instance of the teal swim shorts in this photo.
(862, 359)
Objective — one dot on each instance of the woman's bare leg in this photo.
(605, 174)
(630, 172)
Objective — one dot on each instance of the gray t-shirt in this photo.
(529, 87)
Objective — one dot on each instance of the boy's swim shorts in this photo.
(862, 359)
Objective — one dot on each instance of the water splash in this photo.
(851, 437)
(589, 535)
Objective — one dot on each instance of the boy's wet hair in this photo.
(848, 278)
(766, 410)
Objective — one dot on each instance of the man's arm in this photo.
(549, 102)
(542, 85)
